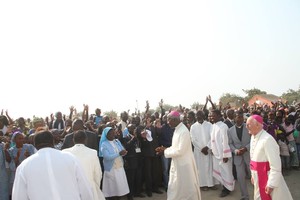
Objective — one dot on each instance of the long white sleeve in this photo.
(19, 191)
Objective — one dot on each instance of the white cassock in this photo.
(200, 135)
(90, 162)
(264, 154)
(183, 181)
(220, 149)
(51, 174)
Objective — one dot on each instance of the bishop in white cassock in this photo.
(183, 181)
(265, 163)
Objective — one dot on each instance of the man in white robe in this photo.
(90, 162)
(265, 163)
(222, 162)
(200, 135)
(50, 174)
(183, 180)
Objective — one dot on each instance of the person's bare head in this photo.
(77, 124)
(230, 114)
(254, 124)
(79, 137)
(43, 139)
(98, 111)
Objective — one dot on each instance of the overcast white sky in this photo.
(112, 54)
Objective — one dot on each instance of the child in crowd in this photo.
(284, 152)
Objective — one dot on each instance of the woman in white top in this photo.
(114, 178)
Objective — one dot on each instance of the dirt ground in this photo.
(292, 179)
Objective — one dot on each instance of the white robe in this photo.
(200, 135)
(51, 174)
(263, 148)
(90, 162)
(219, 144)
(183, 181)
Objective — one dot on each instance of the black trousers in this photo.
(151, 170)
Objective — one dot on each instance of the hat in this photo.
(174, 113)
(258, 118)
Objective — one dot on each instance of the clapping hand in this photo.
(160, 150)
(26, 154)
(123, 152)
(144, 134)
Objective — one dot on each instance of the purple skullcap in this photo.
(174, 113)
(258, 118)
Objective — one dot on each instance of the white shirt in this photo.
(90, 162)
(51, 174)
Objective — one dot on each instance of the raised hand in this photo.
(85, 107)
(71, 108)
(161, 103)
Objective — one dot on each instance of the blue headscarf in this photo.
(103, 139)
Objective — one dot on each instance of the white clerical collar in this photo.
(79, 145)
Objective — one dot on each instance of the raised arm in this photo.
(71, 112)
(8, 117)
(162, 110)
(212, 104)
(85, 113)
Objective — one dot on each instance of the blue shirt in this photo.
(165, 138)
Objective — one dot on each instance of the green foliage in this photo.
(233, 99)
(291, 95)
(252, 92)
(112, 114)
(197, 106)
(165, 106)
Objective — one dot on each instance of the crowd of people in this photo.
(182, 151)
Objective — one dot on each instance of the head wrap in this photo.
(258, 118)
(15, 133)
(103, 139)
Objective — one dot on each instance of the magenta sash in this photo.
(262, 169)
